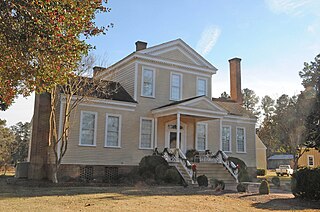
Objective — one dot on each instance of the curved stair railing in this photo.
(176, 155)
(221, 157)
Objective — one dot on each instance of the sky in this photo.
(272, 37)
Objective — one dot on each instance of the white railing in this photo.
(222, 157)
(185, 163)
(177, 156)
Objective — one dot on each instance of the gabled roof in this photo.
(153, 54)
(233, 107)
(199, 106)
(182, 47)
(178, 102)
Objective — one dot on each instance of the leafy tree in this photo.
(6, 145)
(267, 106)
(41, 43)
(250, 100)
(283, 130)
(22, 132)
(311, 79)
(310, 74)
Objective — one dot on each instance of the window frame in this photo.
(94, 131)
(230, 139)
(106, 131)
(153, 81)
(206, 86)
(206, 136)
(310, 156)
(152, 132)
(244, 140)
(181, 85)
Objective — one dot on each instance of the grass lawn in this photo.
(27, 197)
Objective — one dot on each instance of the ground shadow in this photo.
(11, 188)
(287, 204)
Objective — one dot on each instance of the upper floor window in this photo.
(201, 136)
(176, 86)
(241, 140)
(226, 139)
(113, 130)
(201, 86)
(146, 133)
(88, 122)
(148, 82)
(310, 160)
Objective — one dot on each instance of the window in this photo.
(147, 87)
(176, 84)
(88, 124)
(241, 140)
(226, 139)
(310, 160)
(113, 131)
(201, 86)
(146, 133)
(201, 136)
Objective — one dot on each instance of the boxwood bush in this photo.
(154, 169)
(276, 181)
(264, 187)
(202, 181)
(243, 175)
(305, 183)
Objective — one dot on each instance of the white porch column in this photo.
(155, 132)
(178, 131)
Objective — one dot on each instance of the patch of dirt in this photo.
(19, 197)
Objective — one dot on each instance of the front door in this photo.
(173, 140)
(171, 136)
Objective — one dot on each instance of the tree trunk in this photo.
(55, 169)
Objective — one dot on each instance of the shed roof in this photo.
(281, 157)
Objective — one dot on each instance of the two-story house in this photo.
(165, 102)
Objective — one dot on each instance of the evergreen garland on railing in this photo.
(172, 154)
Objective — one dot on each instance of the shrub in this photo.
(264, 187)
(276, 181)
(241, 187)
(160, 172)
(215, 183)
(243, 175)
(172, 176)
(149, 163)
(261, 172)
(305, 183)
(202, 180)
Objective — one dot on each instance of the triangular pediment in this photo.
(203, 103)
(178, 50)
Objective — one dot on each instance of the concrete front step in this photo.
(216, 171)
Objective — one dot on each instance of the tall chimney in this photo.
(140, 45)
(235, 80)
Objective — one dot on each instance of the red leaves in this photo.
(41, 42)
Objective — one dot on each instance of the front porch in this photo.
(188, 124)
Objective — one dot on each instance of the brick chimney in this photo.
(97, 70)
(140, 45)
(235, 80)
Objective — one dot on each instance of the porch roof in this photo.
(199, 106)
